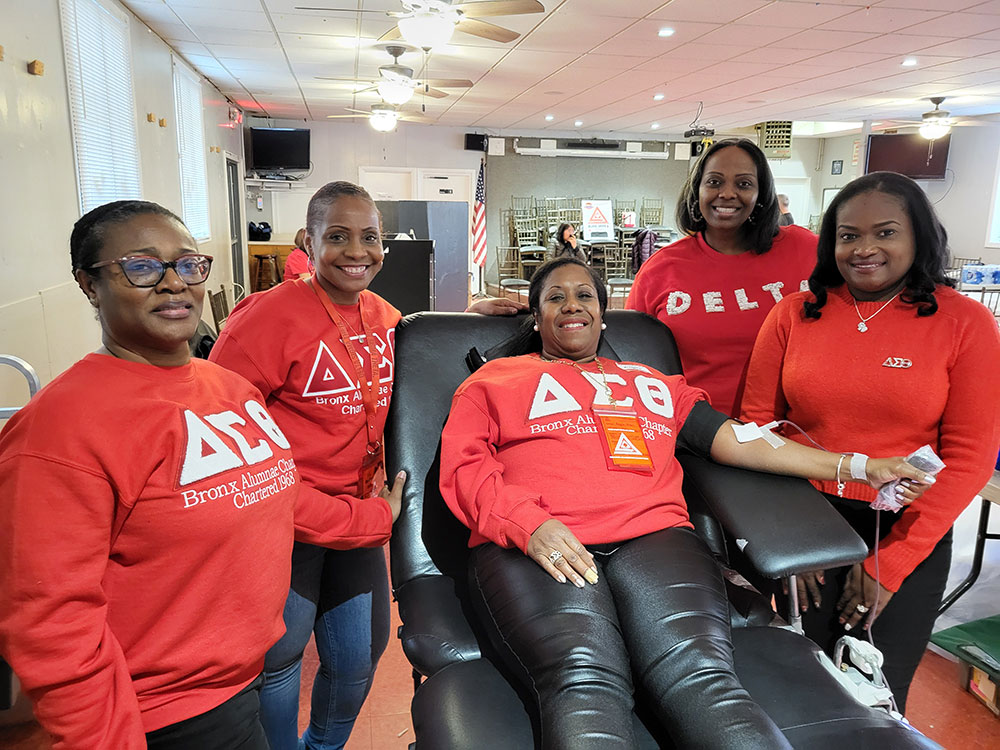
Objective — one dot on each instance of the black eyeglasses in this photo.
(146, 271)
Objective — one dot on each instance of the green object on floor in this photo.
(976, 642)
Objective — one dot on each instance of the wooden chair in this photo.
(651, 213)
(509, 272)
(220, 306)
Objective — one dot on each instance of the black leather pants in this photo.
(659, 613)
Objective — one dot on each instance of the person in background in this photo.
(565, 243)
(786, 218)
(882, 349)
(714, 287)
(297, 264)
(329, 388)
(549, 502)
(148, 500)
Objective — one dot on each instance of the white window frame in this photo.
(192, 161)
(98, 61)
(993, 227)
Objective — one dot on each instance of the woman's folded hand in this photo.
(915, 482)
(560, 553)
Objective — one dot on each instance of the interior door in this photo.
(235, 195)
(387, 184)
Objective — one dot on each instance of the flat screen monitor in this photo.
(908, 153)
(274, 149)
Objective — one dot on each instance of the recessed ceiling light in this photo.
(665, 31)
(909, 62)
(549, 118)
(578, 123)
(658, 97)
(655, 125)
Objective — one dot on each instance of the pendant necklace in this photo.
(863, 325)
(575, 366)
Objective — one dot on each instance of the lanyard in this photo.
(369, 393)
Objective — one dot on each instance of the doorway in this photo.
(235, 195)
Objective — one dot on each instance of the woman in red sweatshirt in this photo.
(882, 348)
(635, 590)
(148, 500)
(714, 287)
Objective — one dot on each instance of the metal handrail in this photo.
(34, 384)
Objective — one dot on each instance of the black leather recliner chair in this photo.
(463, 700)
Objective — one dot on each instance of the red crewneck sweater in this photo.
(147, 516)
(521, 446)
(906, 382)
(285, 344)
(714, 304)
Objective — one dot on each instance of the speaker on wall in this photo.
(475, 142)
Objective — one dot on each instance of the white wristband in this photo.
(859, 467)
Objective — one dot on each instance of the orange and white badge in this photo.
(624, 446)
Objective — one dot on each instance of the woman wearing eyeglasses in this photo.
(147, 500)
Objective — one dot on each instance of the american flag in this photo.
(479, 219)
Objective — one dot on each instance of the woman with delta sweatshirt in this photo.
(883, 349)
(714, 288)
(149, 501)
(606, 514)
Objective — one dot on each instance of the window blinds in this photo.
(102, 109)
(191, 151)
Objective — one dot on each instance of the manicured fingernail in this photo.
(847, 626)
(578, 582)
(804, 607)
(929, 479)
(561, 578)
(591, 576)
(816, 603)
(900, 490)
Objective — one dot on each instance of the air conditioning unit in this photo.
(774, 138)
(598, 148)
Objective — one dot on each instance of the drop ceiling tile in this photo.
(966, 47)
(629, 9)
(271, 52)
(881, 20)
(797, 16)
(745, 35)
(222, 35)
(896, 44)
(993, 6)
(221, 4)
(969, 65)
(175, 32)
(705, 52)
(775, 55)
(572, 33)
(201, 18)
(957, 25)
(606, 62)
(824, 40)
(674, 67)
(942, 5)
(699, 10)
(335, 24)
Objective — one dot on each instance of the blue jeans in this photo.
(343, 597)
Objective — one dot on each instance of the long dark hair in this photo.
(930, 243)
(760, 229)
(527, 339)
(560, 240)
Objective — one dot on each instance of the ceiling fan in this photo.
(430, 23)
(937, 123)
(396, 83)
(382, 117)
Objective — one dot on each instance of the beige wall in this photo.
(43, 316)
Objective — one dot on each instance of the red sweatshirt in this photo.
(908, 381)
(148, 532)
(714, 304)
(297, 263)
(284, 342)
(521, 446)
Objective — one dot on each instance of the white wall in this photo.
(338, 149)
(44, 318)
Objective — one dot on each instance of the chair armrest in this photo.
(435, 630)
(788, 525)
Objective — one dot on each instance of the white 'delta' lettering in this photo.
(252, 454)
(259, 415)
(655, 396)
(774, 288)
(743, 302)
(713, 302)
(678, 302)
(197, 464)
(601, 393)
(551, 398)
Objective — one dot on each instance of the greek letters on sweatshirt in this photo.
(714, 304)
(522, 446)
(148, 516)
(284, 342)
(907, 381)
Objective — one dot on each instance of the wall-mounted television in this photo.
(908, 153)
(276, 149)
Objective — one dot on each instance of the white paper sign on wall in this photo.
(598, 221)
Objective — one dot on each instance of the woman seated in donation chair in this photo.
(562, 465)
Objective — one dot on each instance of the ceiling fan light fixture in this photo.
(427, 30)
(384, 120)
(934, 130)
(395, 92)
